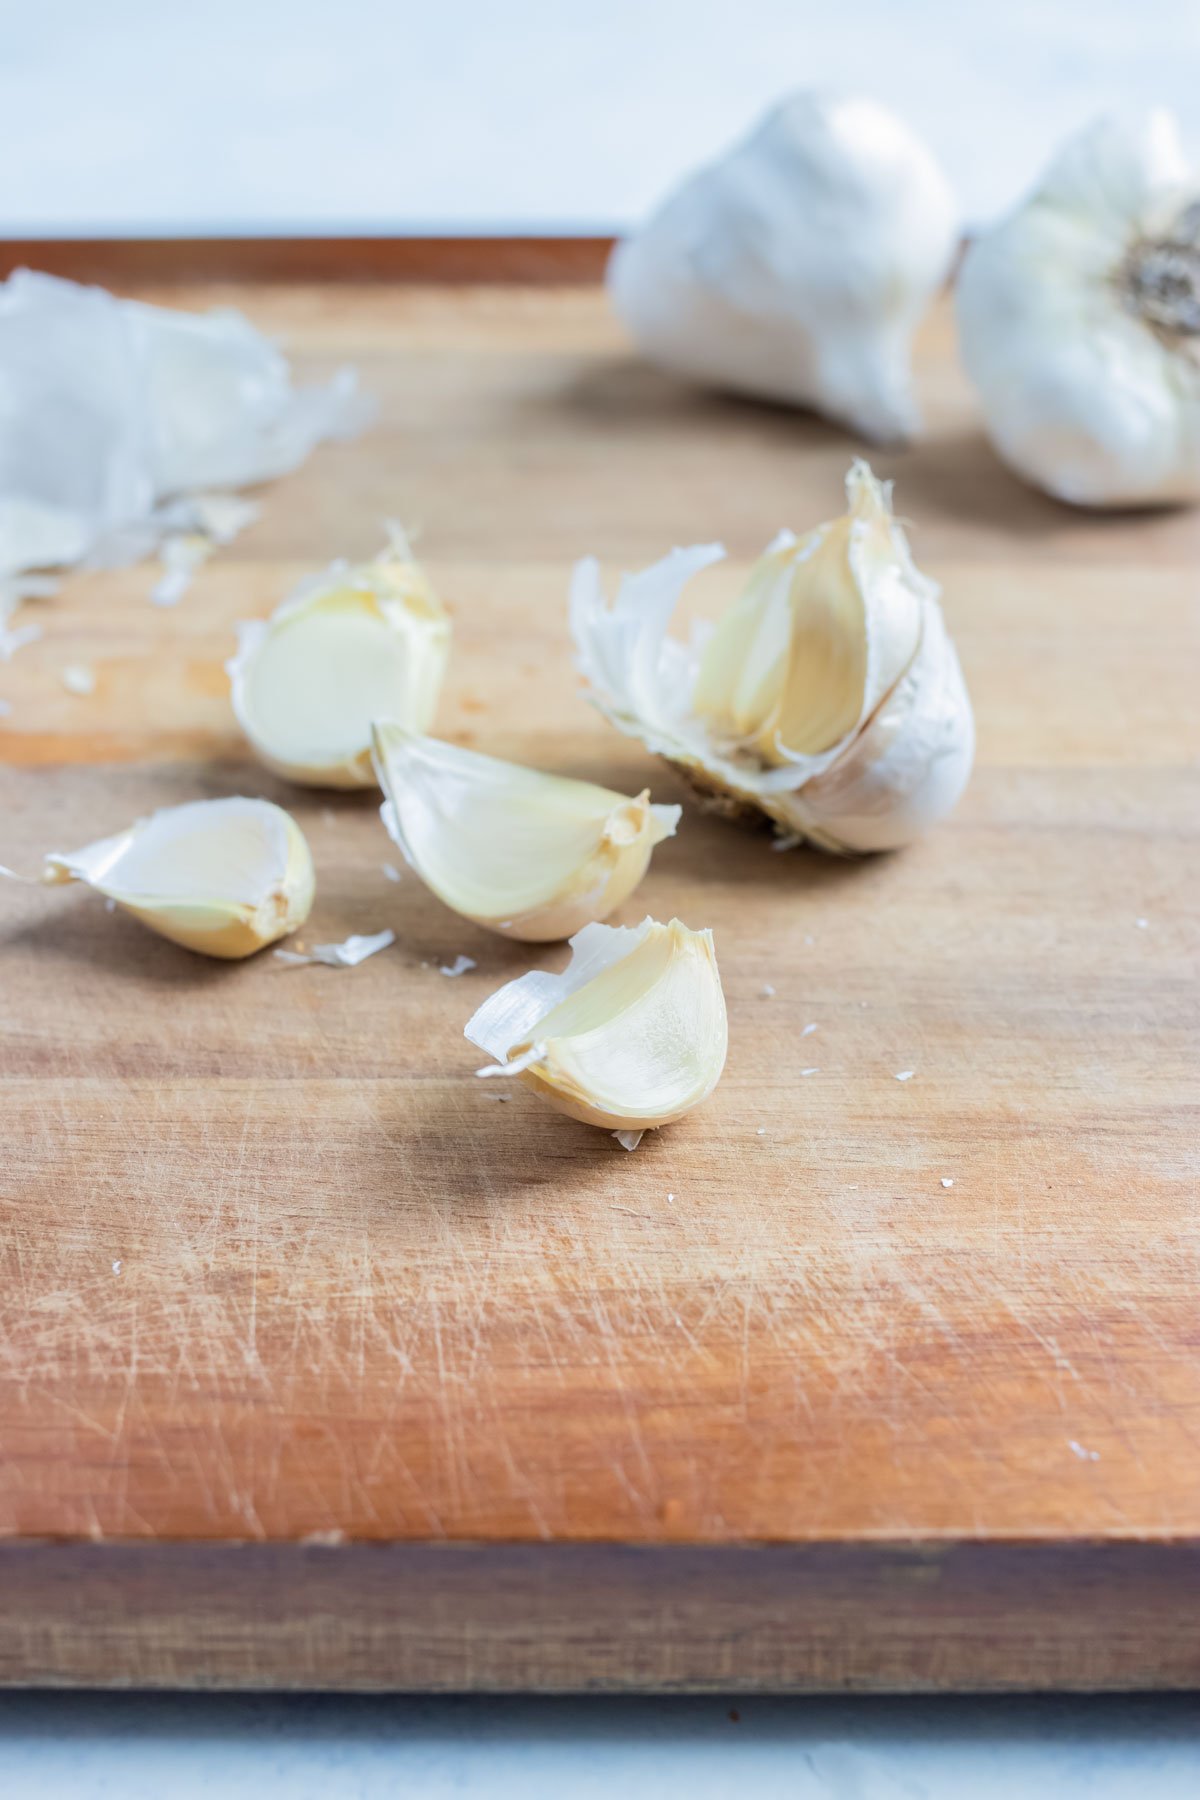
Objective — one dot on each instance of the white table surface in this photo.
(138, 1747)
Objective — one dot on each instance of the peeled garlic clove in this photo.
(829, 696)
(797, 266)
(632, 1035)
(531, 855)
(223, 877)
(1079, 321)
(355, 645)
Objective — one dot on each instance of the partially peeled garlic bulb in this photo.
(829, 696)
(797, 266)
(531, 855)
(223, 877)
(350, 646)
(631, 1036)
(1079, 320)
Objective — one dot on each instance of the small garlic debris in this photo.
(828, 697)
(459, 966)
(530, 855)
(391, 871)
(797, 266)
(629, 1140)
(1079, 321)
(906, 1074)
(947, 1181)
(810, 1071)
(808, 1031)
(223, 877)
(766, 991)
(349, 646)
(346, 955)
(78, 678)
(1141, 924)
(631, 1036)
(116, 1268)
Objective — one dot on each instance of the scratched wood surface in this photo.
(278, 1269)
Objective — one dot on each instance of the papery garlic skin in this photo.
(797, 266)
(351, 646)
(631, 1036)
(1079, 321)
(223, 877)
(829, 697)
(530, 855)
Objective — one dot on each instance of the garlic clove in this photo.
(631, 1036)
(797, 266)
(224, 877)
(1079, 322)
(349, 647)
(829, 697)
(530, 855)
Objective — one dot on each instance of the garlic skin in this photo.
(631, 1036)
(529, 855)
(224, 877)
(350, 646)
(829, 697)
(1079, 321)
(797, 266)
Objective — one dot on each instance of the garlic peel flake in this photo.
(829, 697)
(224, 877)
(349, 646)
(530, 855)
(630, 1036)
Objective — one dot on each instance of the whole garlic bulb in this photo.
(1079, 317)
(797, 266)
(829, 697)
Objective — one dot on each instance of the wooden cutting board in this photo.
(319, 1365)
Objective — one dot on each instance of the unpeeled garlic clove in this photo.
(530, 855)
(797, 266)
(631, 1036)
(1079, 322)
(224, 877)
(353, 645)
(829, 697)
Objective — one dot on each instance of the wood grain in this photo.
(276, 1268)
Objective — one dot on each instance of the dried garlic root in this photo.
(530, 855)
(350, 646)
(829, 696)
(631, 1036)
(223, 877)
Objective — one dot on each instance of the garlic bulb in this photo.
(530, 855)
(632, 1035)
(1079, 318)
(351, 646)
(798, 265)
(223, 877)
(829, 697)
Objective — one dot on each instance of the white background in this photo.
(219, 115)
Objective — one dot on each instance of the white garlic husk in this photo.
(1079, 320)
(351, 646)
(224, 877)
(797, 266)
(631, 1036)
(530, 855)
(829, 697)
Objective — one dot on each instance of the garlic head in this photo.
(1079, 321)
(797, 266)
(631, 1036)
(224, 877)
(354, 645)
(530, 855)
(829, 697)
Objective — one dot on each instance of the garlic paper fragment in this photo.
(223, 877)
(1079, 321)
(349, 646)
(631, 1036)
(116, 413)
(829, 697)
(797, 266)
(530, 855)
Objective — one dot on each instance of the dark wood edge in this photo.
(118, 262)
(577, 1618)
